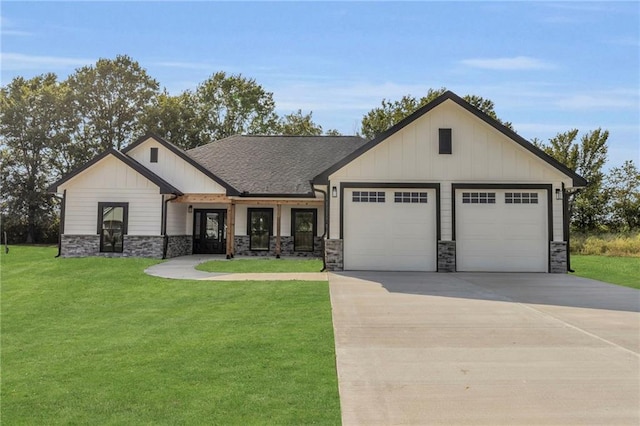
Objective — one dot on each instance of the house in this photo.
(446, 189)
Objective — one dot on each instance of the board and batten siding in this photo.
(174, 169)
(480, 153)
(111, 180)
(177, 219)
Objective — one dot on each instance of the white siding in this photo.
(174, 169)
(111, 180)
(177, 219)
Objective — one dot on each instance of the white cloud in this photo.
(20, 62)
(618, 99)
(343, 96)
(185, 65)
(507, 64)
(7, 28)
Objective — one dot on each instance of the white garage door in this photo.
(501, 230)
(390, 229)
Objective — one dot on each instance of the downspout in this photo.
(565, 225)
(165, 237)
(61, 224)
(326, 226)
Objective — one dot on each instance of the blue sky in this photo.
(548, 67)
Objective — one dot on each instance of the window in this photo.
(260, 223)
(303, 229)
(521, 198)
(444, 141)
(410, 197)
(154, 155)
(478, 198)
(367, 197)
(112, 226)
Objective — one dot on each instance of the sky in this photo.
(549, 67)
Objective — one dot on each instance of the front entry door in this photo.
(209, 231)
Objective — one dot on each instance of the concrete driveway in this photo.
(529, 349)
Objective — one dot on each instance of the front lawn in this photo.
(96, 341)
(262, 265)
(616, 270)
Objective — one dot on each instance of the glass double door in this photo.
(209, 231)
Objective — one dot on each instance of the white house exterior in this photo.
(446, 189)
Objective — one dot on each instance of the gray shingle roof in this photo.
(273, 164)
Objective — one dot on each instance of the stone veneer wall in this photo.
(133, 246)
(241, 247)
(558, 257)
(334, 257)
(446, 256)
(179, 245)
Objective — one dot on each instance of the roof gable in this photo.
(164, 186)
(513, 136)
(183, 155)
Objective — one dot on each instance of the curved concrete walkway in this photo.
(183, 268)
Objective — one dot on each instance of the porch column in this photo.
(278, 216)
(231, 221)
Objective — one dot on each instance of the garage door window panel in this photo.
(478, 198)
(368, 197)
(410, 197)
(521, 198)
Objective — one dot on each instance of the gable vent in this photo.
(445, 141)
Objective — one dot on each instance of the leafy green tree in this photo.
(333, 132)
(232, 104)
(587, 207)
(174, 118)
(623, 187)
(298, 124)
(109, 99)
(389, 113)
(31, 128)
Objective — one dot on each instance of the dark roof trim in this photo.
(180, 153)
(448, 95)
(165, 187)
(284, 195)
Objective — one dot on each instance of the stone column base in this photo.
(333, 254)
(558, 257)
(446, 256)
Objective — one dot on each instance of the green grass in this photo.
(96, 341)
(623, 271)
(262, 265)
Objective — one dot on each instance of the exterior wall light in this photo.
(190, 209)
(558, 194)
(334, 192)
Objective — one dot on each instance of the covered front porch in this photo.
(247, 226)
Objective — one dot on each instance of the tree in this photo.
(382, 118)
(108, 100)
(333, 132)
(174, 118)
(623, 187)
(31, 125)
(230, 105)
(587, 207)
(298, 124)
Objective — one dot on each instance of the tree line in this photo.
(49, 127)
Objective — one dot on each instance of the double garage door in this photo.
(396, 230)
